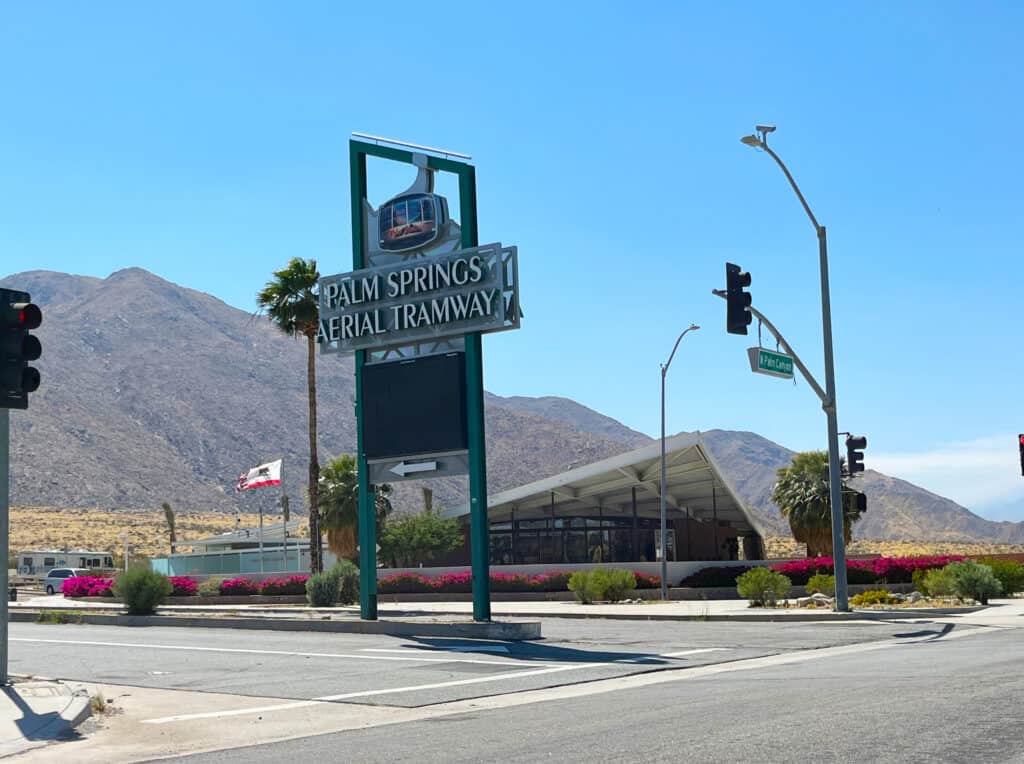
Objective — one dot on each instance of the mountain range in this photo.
(154, 392)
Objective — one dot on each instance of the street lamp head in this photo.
(765, 129)
(751, 140)
(694, 327)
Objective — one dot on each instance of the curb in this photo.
(500, 630)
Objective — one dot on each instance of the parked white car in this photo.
(54, 582)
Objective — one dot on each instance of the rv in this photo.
(40, 562)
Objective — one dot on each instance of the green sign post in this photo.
(479, 535)
(770, 362)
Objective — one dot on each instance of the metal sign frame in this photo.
(479, 536)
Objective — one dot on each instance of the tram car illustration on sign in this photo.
(411, 221)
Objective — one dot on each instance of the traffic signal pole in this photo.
(834, 476)
(5, 474)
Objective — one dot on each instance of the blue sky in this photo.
(208, 144)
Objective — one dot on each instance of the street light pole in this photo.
(664, 557)
(834, 477)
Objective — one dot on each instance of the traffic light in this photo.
(18, 316)
(1020, 440)
(855, 454)
(738, 318)
(860, 501)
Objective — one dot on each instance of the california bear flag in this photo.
(257, 477)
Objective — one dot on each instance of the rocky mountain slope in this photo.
(154, 392)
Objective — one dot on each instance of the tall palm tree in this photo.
(290, 301)
(802, 496)
(339, 502)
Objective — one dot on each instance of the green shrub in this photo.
(142, 591)
(1009, 573)
(322, 589)
(579, 584)
(873, 597)
(346, 573)
(822, 583)
(937, 582)
(612, 583)
(763, 587)
(974, 580)
(211, 586)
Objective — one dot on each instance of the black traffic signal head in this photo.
(860, 502)
(18, 316)
(1020, 440)
(738, 316)
(855, 453)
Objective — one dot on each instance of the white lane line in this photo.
(681, 653)
(368, 693)
(453, 648)
(412, 688)
(356, 656)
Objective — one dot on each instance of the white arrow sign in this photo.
(402, 469)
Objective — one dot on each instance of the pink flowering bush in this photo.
(88, 586)
(238, 586)
(462, 582)
(800, 571)
(403, 583)
(900, 570)
(183, 586)
(291, 585)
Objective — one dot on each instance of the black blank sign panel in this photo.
(415, 407)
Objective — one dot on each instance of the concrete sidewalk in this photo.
(34, 713)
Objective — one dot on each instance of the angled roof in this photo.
(272, 534)
(693, 481)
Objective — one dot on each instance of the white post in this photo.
(261, 539)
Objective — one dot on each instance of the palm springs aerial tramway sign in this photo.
(412, 310)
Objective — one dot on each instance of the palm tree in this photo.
(802, 496)
(339, 502)
(291, 302)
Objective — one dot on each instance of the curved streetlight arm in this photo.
(664, 368)
(796, 188)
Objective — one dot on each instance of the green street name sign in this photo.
(769, 362)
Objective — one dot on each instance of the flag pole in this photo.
(261, 536)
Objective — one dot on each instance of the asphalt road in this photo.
(933, 698)
(401, 671)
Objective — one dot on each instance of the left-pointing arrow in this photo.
(402, 469)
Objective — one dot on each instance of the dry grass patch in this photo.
(100, 530)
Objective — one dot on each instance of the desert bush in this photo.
(211, 586)
(346, 574)
(873, 597)
(579, 584)
(142, 591)
(322, 589)
(612, 583)
(822, 583)
(1009, 573)
(973, 580)
(935, 582)
(763, 587)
